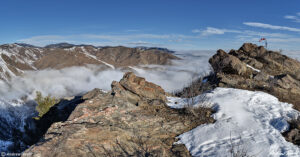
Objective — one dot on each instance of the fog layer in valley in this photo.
(77, 80)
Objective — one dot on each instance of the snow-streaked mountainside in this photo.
(247, 121)
(17, 58)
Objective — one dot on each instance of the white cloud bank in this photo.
(106, 39)
(59, 83)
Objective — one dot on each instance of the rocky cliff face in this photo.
(130, 120)
(16, 58)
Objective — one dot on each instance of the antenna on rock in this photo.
(265, 40)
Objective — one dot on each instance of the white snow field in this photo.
(250, 122)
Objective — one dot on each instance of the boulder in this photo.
(229, 64)
(252, 50)
(293, 136)
(142, 88)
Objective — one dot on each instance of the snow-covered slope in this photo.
(252, 122)
(13, 117)
(14, 59)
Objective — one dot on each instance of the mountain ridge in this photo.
(19, 57)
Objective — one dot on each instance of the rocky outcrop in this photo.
(223, 62)
(131, 120)
(17, 58)
(253, 67)
(142, 88)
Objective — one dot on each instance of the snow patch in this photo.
(252, 120)
(94, 57)
(257, 70)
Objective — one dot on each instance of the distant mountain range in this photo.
(68, 45)
(19, 57)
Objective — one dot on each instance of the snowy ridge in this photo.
(253, 68)
(14, 52)
(252, 121)
(6, 70)
(27, 56)
(94, 57)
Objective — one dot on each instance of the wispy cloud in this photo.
(264, 34)
(132, 30)
(144, 43)
(294, 18)
(111, 39)
(171, 41)
(213, 31)
(129, 36)
(218, 31)
(139, 43)
(284, 40)
(269, 26)
(271, 39)
(47, 39)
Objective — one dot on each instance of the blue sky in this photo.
(175, 24)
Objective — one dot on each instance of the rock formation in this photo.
(130, 120)
(253, 67)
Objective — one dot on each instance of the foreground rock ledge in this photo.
(131, 120)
